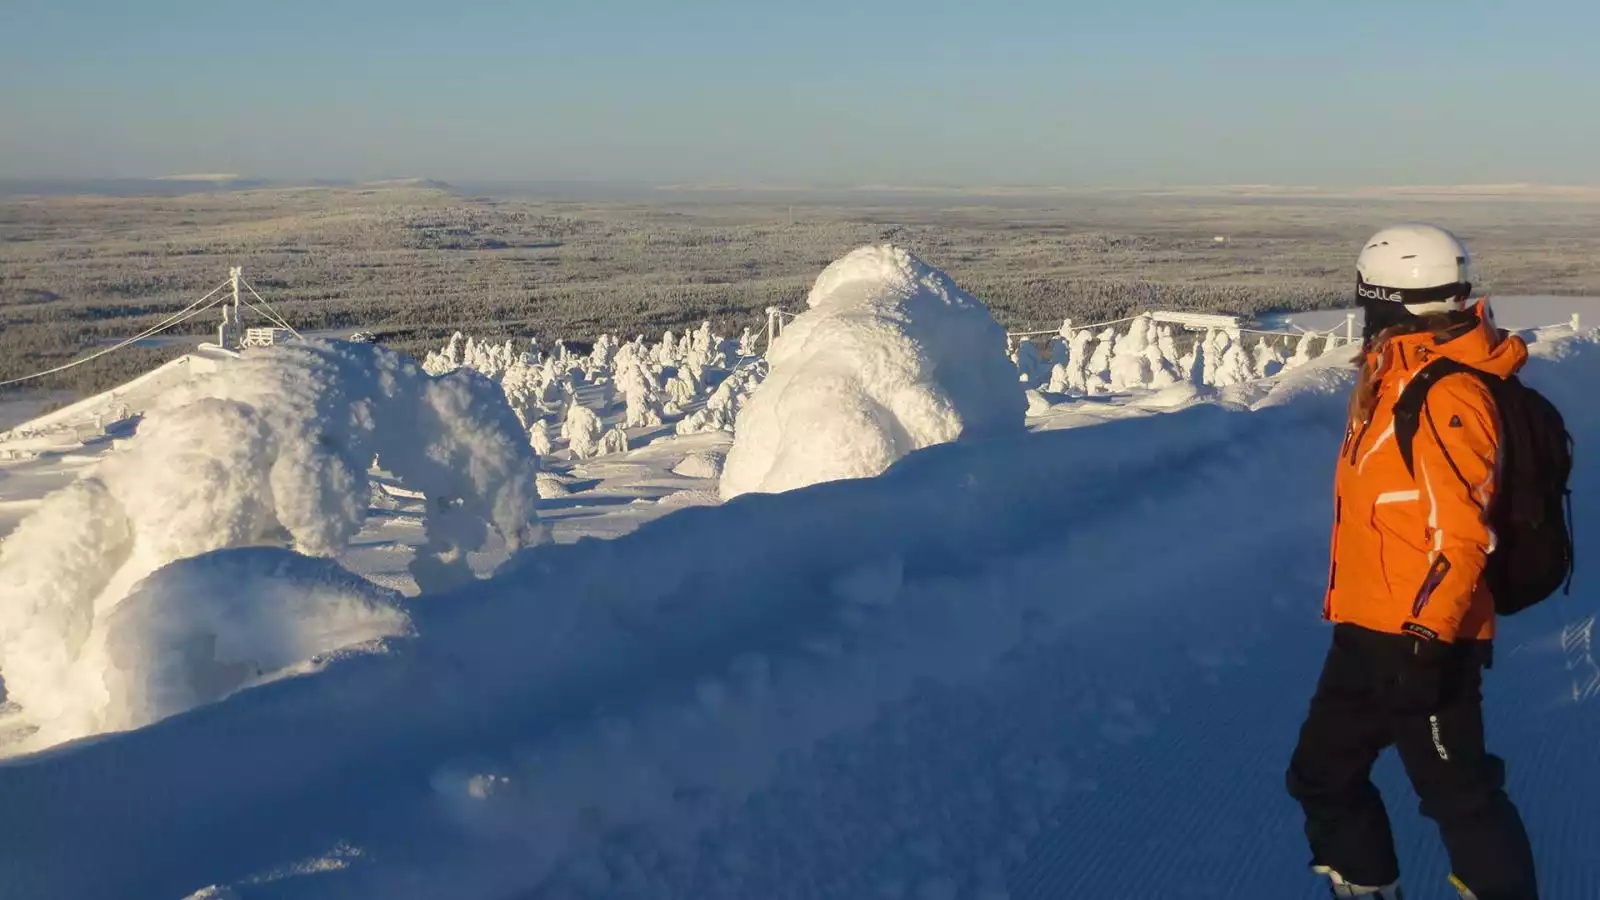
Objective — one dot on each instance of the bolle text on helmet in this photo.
(1373, 292)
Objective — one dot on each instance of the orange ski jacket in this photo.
(1409, 550)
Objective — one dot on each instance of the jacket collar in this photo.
(1477, 343)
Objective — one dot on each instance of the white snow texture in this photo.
(274, 448)
(200, 628)
(962, 679)
(890, 357)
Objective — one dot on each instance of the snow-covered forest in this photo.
(586, 404)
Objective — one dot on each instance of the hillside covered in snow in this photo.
(1059, 647)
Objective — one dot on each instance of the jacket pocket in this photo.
(1402, 554)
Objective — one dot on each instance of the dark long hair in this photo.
(1444, 326)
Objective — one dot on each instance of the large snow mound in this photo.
(890, 357)
(203, 627)
(274, 448)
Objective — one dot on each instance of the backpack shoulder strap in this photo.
(1408, 408)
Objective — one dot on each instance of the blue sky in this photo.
(817, 92)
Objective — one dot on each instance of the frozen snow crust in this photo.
(889, 357)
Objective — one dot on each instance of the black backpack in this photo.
(1532, 508)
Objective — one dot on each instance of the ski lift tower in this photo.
(232, 333)
(228, 332)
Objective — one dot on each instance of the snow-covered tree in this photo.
(1060, 379)
(276, 447)
(748, 341)
(1063, 338)
(1167, 343)
(539, 437)
(1129, 366)
(1310, 346)
(701, 347)
(446, 360)
(638, 392)
(725, 353)
(1030, 368)
(1302, 352)
(722, 409)
(1163, 371)
(1078, 361)
(1058, 356)
(605, 349)
(1097, 374)
(681, 388)
(614, 441)
(1197, 367)
(890, 356)
(582, 431)
(666, 352)
(1268, 359)
(1235, 366)
(1216, 343)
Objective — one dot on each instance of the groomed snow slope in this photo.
(1066, 664)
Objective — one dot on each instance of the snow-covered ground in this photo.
(1063, 663)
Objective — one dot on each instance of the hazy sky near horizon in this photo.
(809, 91)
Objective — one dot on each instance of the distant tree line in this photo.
(416, 265)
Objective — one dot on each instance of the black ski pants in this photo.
(1460, 784)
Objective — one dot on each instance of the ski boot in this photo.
(1343, 889)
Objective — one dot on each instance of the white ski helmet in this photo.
(1423, 267)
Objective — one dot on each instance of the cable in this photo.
(268, 315)
(1074, 328)
(182, 315)
(274, 313)
(1331, 332)
(266, 310)
(271, 315)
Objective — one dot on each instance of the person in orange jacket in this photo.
(1413, 617)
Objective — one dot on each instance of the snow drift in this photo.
(891, 702)
(274, 448)
(890, 357)
(200, 628)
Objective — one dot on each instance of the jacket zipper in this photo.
(1333, 557)
(1355, 445)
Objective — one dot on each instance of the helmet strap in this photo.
(1457, 290)
(1387, 307)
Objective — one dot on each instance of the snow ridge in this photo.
(611, 606)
